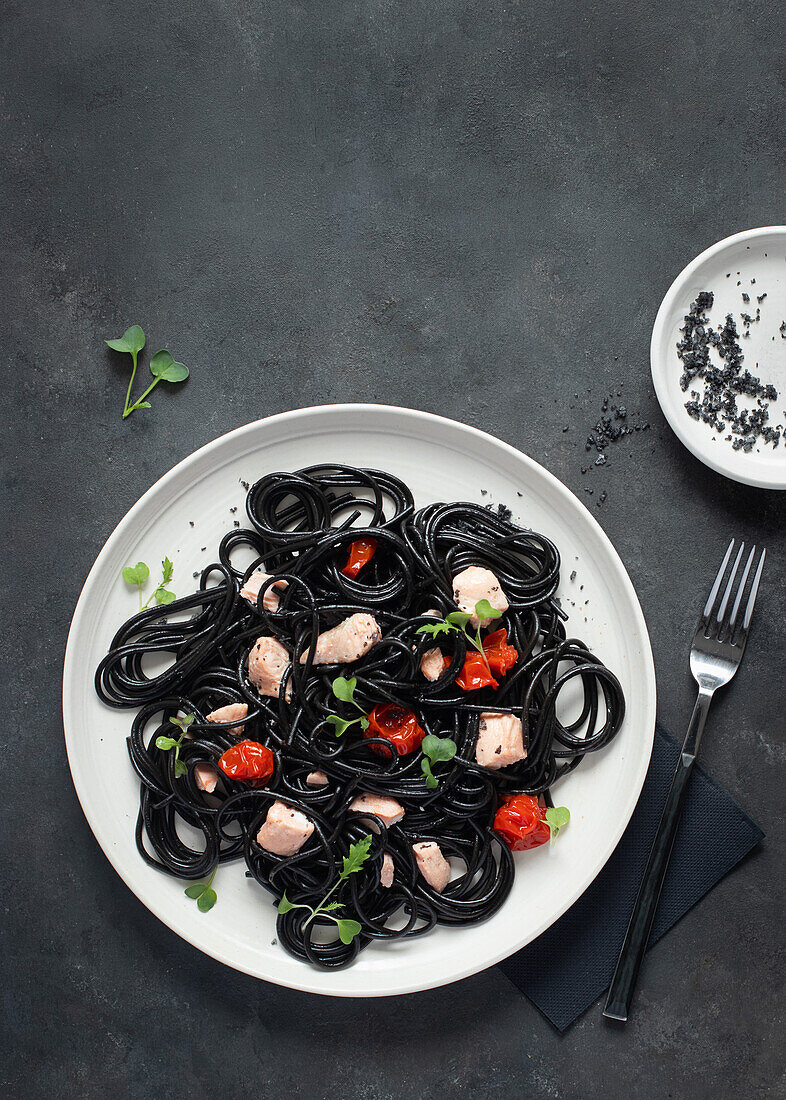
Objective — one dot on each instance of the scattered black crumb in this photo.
(728, 274)
(518, 494)
(739, 281)
(203, 549)
(746, 298)
(581, 588)
(195, 573)
(232, 511)
(484, 492)
(716, 404)
(573, 575)
(190, 523)
(760, 298)
(603, 496)
(753, 282)
(245, 484)
(782, 330)
(566, 428)
(590, 491)
(600, 460)
(236, 523)
(504, 512)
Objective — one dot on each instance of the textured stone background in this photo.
(470, 208)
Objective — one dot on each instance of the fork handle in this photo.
(640, 926)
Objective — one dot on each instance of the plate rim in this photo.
(422, 418)
(678, 426)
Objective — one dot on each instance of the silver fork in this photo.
(715, 656)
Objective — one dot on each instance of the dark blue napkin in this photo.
(566, 969)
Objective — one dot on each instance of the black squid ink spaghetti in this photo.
(367, 716)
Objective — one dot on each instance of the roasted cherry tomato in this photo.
(475, 674)
(398, 725)
(249, 762)
(521, 822)
(499, 654)
(361, 551)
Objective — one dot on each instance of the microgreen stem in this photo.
(126, 410)
(139, 400)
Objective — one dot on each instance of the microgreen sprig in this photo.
(165, 743)
(435, 749)
(203, 893)
(347, 928)
(458, 620)
(162, 366)
(138, 574)
(344, 691)
(557, 817)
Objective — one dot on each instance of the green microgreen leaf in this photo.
(166, 743)
(434, 749)
(164, 596)
(348, 929)
(484, 610)
(202, 892)
(132, 341)
(160, 362)
(438, 748)
(183, 722)
(331, 906)
(363, 722)
(285, 904)
(344, 689)
(458, 619)
(207, 900)
(557, 817)
(180, 768)
(358, 854)
(136, 574)
(434, 629)
(341, 725)
(167, 569)
(431, 779)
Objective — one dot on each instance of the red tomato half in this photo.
(249, 762)
(361, 551)
(398, 725)
(499, 654)
(521, 822)
(475, 674)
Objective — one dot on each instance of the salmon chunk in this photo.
(432, 663)
(232, 712)
(205, 777)
(284, 830)
(387, 809)
(271, 598)
(346, 642)
(500, 740)
(475, 584)
(386, 872)
(432, 865)
(267, 663)
(316, 779)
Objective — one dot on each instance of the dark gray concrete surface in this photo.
(469, 208)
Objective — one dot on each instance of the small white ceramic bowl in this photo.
(752, 263)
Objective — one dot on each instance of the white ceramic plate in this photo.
(441, 460)
(755, 262)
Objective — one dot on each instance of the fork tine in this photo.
(727, 593)
(746, 622)
(716, 586)
(741, 591)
